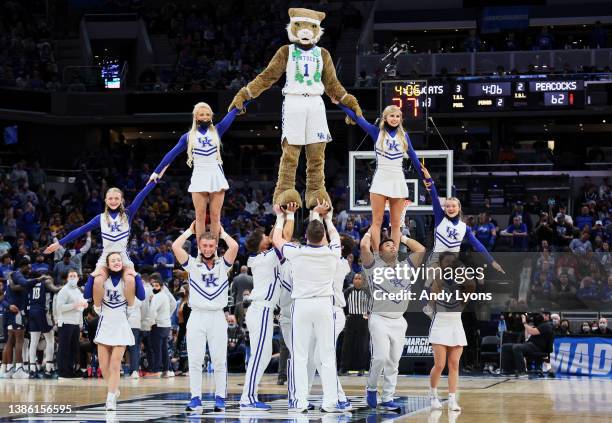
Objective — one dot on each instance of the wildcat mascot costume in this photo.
(309, 72)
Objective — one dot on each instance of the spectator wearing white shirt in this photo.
(160, 310)
(70, 305)
(145, 326)
(135, 321)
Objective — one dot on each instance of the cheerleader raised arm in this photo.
(203, 146)
(115, 225)
(388, 183)
(450, 230)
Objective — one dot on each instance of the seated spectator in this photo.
(588, 290)
(236, 346)
(485, 231)
(564, 328)
(519, 233)
(581, 245)
(540, 338)
(585, 218)
(602, 327)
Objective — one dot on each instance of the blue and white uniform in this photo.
(113, 326)
(389, 179)
(207, 173)
(260, 318)
(449, 232)
(115, 230)
(208, 296)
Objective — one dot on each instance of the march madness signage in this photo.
(417, 346)
(582, 356)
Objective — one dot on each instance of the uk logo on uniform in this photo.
(393, 145)
(113, 296)
(210, 280)
(452, 233)
(115, 227)
(206, 142)
(321, 135)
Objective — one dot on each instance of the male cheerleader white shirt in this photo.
(209, 285)
(318, 280)
(266, 277)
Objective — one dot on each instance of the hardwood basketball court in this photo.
(484, 399)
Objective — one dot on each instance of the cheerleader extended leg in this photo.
(216, 203)
(378, 210)
(397, 214)
(200, 203)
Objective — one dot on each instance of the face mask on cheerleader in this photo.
(204, 124)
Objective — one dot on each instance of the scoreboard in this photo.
(419, 98)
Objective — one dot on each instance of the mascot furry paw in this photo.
(310, 72)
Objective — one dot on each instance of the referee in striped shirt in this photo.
(355, 353)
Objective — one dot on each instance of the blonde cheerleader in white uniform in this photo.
(389, 182)
(113, 333)
(115, 227)
(446, 333)
(203, 146)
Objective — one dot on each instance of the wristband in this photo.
(224, 235)
(188, 232)
(280, 222)
(315, 216)
(367, 234)
(290, 216)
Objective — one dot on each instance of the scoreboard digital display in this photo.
(419, 98)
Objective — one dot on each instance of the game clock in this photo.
(411, 96)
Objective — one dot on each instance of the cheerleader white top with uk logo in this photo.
(114, 301)
(304, 71)
(205, 150)
(389, 151)
(115, 229)
(208, 285)
(265, 268)
(113, 293)
(450, 231)
(286, 282)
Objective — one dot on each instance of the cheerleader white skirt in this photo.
(447, 329)
(208, 178)
(390, 183)
(114, 329)
(124, 258)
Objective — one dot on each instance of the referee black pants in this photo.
(67, 349)
(355, 353)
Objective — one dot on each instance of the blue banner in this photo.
(497, 19)
(10, 135)
(582, 356)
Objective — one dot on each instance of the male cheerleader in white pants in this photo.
(386, 323)
(265, 267)
(208, 283)
(314, 266)
(314, 363)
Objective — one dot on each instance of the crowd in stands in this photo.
(27, 49)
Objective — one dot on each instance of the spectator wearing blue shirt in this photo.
(6, 267)
(584, 219)
(518, 232)
(588, 290)
(39, 265)
(164, 263)
(581, 245)
(485, 231)
(351, 231)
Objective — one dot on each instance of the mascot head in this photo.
(305, 26)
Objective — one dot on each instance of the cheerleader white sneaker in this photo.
(134, 375)
(435, 403)
(453, 405)
(111, 402)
